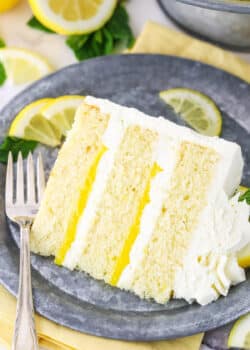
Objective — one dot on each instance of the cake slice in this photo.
(145, 205)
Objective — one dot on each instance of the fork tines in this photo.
(35, 181)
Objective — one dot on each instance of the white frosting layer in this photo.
(210, 266)
(111, 139)
(165, 157)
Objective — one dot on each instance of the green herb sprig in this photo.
(115, 34)
(15, 145)
(3, 75)
(245, 197)
(2, 43)
(35, 24)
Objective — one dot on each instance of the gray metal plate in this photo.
(76, 300)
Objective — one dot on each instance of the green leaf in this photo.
(109, 42)
(118, 23)
(15, 145)
(130, 40)
(245, 197)
(2, 43)
(3, 75)
(35, 24)
(119, 27)
(98, 36)
(115, 34)
(81, 45)
(76, 42)
(96, 47)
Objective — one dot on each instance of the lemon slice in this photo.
(73, 16)
(7, 5)
(244, 257)
(196, 109)
(242, 189)
(46, 120)
(244, 254)
(239, 336)
(61, 112)
(23, 66)
(29, 124)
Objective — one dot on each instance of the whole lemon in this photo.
(6, 5)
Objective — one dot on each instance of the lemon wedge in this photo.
(242, 189)
(46, 120)
(6, 5)
(30, 124)
(244, 254)
(244, 257)
(61, 112)
(239, 336)
(23, 66)
(196, 109)
(74, 16)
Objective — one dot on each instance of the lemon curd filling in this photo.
(82, 202)
(123, 260)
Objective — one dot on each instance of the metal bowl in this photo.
(222, 21)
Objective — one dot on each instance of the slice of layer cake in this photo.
(145, 205)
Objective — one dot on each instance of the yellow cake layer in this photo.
(123, 259)
(119, 203)
(57, 216)
(85, 191)
(185, 200)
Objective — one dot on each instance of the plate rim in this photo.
(105, 332)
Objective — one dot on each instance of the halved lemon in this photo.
(23, 66)
(196, 109)
(30, 124)
(239, 336)
(73, 16)
(61, 112)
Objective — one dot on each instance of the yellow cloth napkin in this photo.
(156, 38)
(55, 337)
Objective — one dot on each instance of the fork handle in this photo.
(25, 333)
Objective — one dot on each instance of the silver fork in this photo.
(22, 210)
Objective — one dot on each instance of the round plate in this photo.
(76, 300)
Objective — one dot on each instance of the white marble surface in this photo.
(15, 32)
